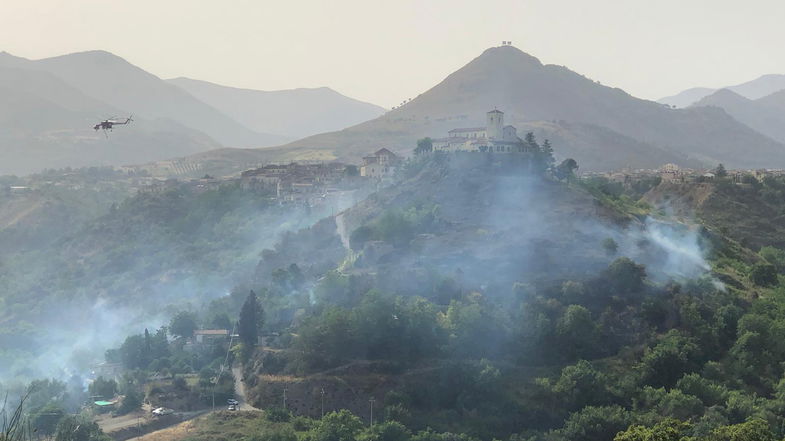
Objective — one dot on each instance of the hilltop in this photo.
(552, 101)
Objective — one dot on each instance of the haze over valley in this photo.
(216, 226)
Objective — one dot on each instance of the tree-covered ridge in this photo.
(481, 299)
(588, 357)
(144, 255)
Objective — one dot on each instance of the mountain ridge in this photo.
(765, 115)
(294, 113)
(532, 94)
(111, 79)
(754, 89)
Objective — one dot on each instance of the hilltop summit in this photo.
(601, 127)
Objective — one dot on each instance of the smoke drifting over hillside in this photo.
(71, 299)
(485, 223)
(489, 224)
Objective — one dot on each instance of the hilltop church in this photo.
(494, 137)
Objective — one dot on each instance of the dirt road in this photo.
(239, 389)
(342, 231)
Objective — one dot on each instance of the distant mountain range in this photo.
(766, 114)
(47, 123)
(603, 128)
(48, 106)
(293, 113)
(757, 88)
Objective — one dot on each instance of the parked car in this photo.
(161, 411)
(232, 401)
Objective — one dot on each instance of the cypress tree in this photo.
(250, 321)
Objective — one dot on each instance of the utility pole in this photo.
(371, 401)
(284, 398)
(322, 402)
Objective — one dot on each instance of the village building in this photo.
(381, 164)
(202, 336)
(494, 137)
(671, 173)
(295, 182)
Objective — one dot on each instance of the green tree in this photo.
(386, 431)
(249, 325)
(45, 419)
(577, 333)
(546, 154)
(78, 428)
(581, 385)
(674, 356)
(131, 402)
(132, 352)
(102, 389)
(667, 430)
(753, 430)
(183, 324)
(595, 423)
(625, 276)
(424, 145)
(720, 171)
(763, 274)
(709, 392)
(566, 169)
(221, 320)
(337, 426)
(610, 246)
(530, 142)
(774, 256)
(274, 434)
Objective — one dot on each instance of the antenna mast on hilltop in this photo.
(507, 43)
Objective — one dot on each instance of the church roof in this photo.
(383, 152)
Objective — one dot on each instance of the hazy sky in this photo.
(386, 51)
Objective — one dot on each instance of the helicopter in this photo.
(108, 124)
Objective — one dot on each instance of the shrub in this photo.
(278, 415)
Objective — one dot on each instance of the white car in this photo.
(162, 411)
(232, 401)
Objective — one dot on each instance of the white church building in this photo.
(494, 137)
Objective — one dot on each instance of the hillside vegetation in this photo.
(483, 296)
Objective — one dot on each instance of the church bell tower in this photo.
(494, 124)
